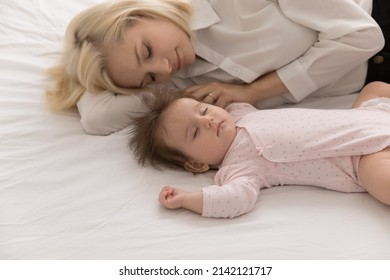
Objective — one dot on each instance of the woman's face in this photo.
(152, 51)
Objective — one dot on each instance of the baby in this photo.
(343, 150)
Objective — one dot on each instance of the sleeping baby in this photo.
(343, 150)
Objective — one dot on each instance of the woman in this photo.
(257, 51)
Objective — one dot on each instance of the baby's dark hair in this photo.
(143, 141)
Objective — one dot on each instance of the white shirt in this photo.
(315, 49)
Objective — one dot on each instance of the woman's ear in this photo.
(196, 167)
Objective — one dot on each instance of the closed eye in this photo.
(149, 51)
(195, 134)
(203, 112)
(149, 55)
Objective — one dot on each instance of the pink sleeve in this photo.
(230, 200)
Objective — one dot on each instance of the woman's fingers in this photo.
(208, 93)
(219, 94)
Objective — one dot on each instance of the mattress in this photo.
(68, 195)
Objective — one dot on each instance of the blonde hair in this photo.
(82, 66)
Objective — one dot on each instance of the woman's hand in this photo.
(221, 94)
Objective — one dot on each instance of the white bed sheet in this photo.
(68, 195)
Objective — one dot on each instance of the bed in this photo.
(68, 195)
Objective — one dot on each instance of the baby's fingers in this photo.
(165, 193)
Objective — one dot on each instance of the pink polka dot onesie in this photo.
(297, 147)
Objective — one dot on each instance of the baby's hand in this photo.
(171, 198)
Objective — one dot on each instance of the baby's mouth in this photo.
(219, 128)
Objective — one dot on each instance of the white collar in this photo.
(204, 15)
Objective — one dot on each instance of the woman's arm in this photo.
(222, 94)
(347, 38)
(105, 113)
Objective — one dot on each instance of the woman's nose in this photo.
(162, 68)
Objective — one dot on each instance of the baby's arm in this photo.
(173, 198)
(233, 199)
(372, 90)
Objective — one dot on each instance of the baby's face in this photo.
(201, 131)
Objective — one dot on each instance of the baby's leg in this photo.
(372, 90)
(374, 174)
